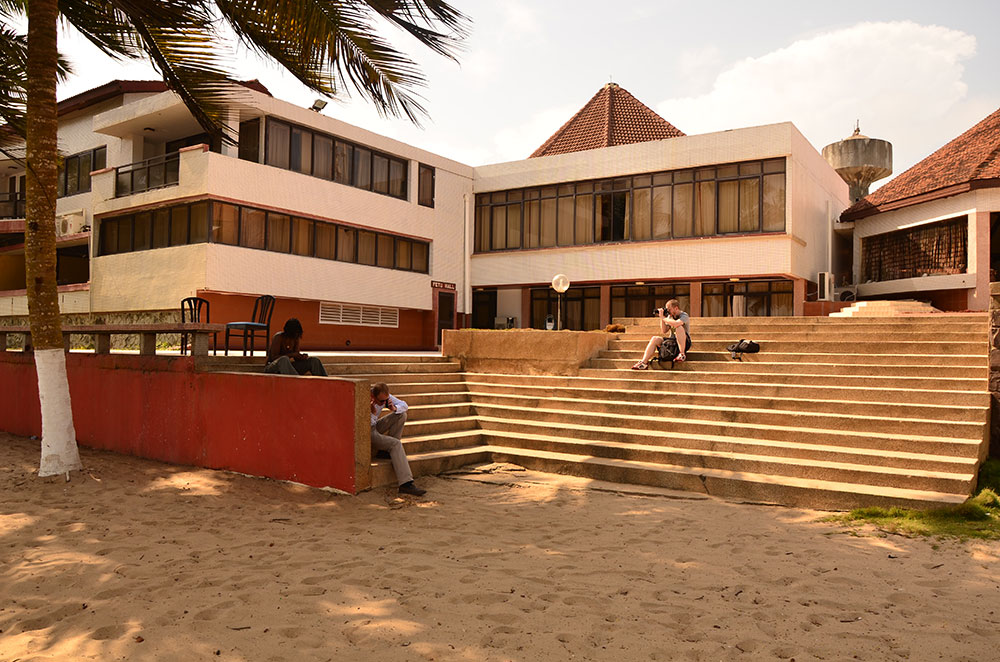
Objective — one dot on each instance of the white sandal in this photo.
(641, 365)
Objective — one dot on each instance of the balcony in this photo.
(157, 172)
(11, 205)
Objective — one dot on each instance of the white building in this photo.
(373, 243)
(927, 234)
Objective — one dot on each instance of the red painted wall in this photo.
(415, 332)
(288, 428)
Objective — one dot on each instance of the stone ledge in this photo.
(523, 351)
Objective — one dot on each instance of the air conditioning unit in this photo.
(825, 281)
(68, 224)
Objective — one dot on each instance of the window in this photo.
(249, 141)
(640, 300)
(380, 174)
(300, 157)
(581, 307)
(323, 157)
(932, 249)
(747, 299)
(725, 199)
(224, 223)
(74, 176)
(344, 157)
(425, 185)
(279, 233)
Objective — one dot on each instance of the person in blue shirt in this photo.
(387, 433)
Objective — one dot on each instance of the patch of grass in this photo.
(978, 517)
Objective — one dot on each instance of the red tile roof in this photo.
(970, 161)
(612, 117)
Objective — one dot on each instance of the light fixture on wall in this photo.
(149, 128)
(318, 105)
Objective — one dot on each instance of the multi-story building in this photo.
(633, 212)
(927, 234)
(374, 243)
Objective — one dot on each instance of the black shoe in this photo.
(382, 455)
(411, 489)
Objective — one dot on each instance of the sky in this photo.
(916, 73)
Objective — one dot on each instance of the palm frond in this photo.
(13, 74)
(104, 25)
(329, 43)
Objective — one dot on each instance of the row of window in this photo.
(581, 305)
(727, 199)
(249, 227)
(932, 249)
(309, 152)
(74, 175)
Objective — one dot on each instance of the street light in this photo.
(560, 283)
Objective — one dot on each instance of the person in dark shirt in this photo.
(284, 357)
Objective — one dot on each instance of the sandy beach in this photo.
(138, 560)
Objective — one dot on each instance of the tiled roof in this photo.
(611, 117)
(970, 161)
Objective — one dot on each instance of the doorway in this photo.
(445, 305)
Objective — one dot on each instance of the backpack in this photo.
(668, 350)
(743, 346)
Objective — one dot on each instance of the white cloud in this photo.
(902, 80)
(517, 142)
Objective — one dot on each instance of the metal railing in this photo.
(154, 173)
(11, 205)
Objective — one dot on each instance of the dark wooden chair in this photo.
(259, 325)
(196, 309)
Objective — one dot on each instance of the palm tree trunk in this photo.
(59, 450)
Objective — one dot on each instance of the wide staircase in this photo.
(832, 413)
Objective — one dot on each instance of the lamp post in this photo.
(560, 283)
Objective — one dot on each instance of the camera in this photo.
(656, 312)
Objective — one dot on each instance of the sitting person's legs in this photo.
(683, 342)
(651, 348)
(280, 366)
(310, 366)
(386, 437)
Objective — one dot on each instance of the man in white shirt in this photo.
(387, 433)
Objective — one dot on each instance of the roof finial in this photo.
(857, 128)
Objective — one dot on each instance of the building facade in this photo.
(373, 243)
(929, 233)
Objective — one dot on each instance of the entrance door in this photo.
(445, 312)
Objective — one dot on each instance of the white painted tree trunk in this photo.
(60, 454)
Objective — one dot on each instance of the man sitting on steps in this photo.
(672, 318)
(387, 433)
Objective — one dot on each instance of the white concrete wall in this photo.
(148, 280)
(814, 197)
(69, 302)
(656, 260)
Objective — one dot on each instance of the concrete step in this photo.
(778, 430)
(925, 453)
(563, 409)
(754, 374)
(408, 387)
(430, 463)
(448, 410)
(418, 428)
(939, 346)
(406, 377)
(399, 367)
(335, 359)
(734, 461)
(749, 364)
(443, 441)
(821, 336)
(946, 318)
(767, 355)
(862, 404)
(633, 381)
(744, 486)
(419, 398)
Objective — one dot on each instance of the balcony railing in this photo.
(154, 173)
(11, 205)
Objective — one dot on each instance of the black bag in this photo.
(668, 350)
(738, 349)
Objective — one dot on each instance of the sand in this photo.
(139, 560)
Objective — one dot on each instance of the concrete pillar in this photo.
(695, 305)
(525, 308)
(979, 259)
(605, 305)
(799, 296)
